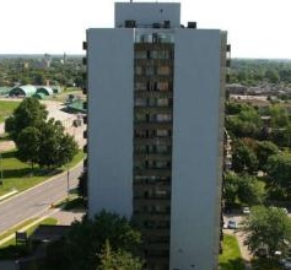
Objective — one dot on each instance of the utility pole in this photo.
(1, 171)
(67, 178)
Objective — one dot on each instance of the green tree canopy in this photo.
(279, 116)
(80, 249)
(268, 228)
(231, 186)
(243, 158)
(251, 191)
(264, 150)
(122, 260)
(29, 113)
(56, 147)
(28, 144)
(279, 172)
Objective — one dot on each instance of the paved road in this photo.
(37, 200)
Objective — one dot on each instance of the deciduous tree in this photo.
(268, 228)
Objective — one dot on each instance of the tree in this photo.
(264, 150)
(28, 144)
(231, 186)
(279, 117)
(85, 241)
(251, 191)
(272, 75)
(279, 172)
(60, 146)
(243, 158)
(120, 259)
(38, 141)
(281, 136)
(268, 228)
(245, 121)
(29, 113)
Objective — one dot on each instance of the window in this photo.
(140, 117)
(140, 55)
(163, 86)
(162, 102)
(163, 54)
(139, 86)
(154, 54)
(138, 70)
(149, 71)
(162, 132)
(140, 102)
(163, 70)
(140, 134)
(152, 102)
(163, 117)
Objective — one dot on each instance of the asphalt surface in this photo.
(37, 200)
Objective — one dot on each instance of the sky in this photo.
(256, 28)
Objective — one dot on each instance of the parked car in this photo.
(246, 210)
(232, 224)
(286, 263)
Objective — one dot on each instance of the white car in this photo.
(232, 224)
(246, 210)
(286, 263)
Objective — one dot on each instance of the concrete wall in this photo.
(195, 165)
(110, 120)
(147, 13)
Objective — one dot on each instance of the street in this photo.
(36, 200)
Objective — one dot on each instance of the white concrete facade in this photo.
(195, 162)
(110, 120)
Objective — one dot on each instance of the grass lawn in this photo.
(9, 250)
(231, 258)
(6, 109)
(17, 174)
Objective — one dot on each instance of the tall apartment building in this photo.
(155, 127)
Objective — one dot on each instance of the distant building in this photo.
(155, 128)
(40, 92)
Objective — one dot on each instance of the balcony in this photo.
(85, 105)
(154, 78)
(228, 48)
(154, 94)
(152, 155)
(153, 140)
(154, 62)
(153, 125)
(85, 45)
(166, 109)
(85, 134)
(151, 172)
(228, 63)
(85, 117)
